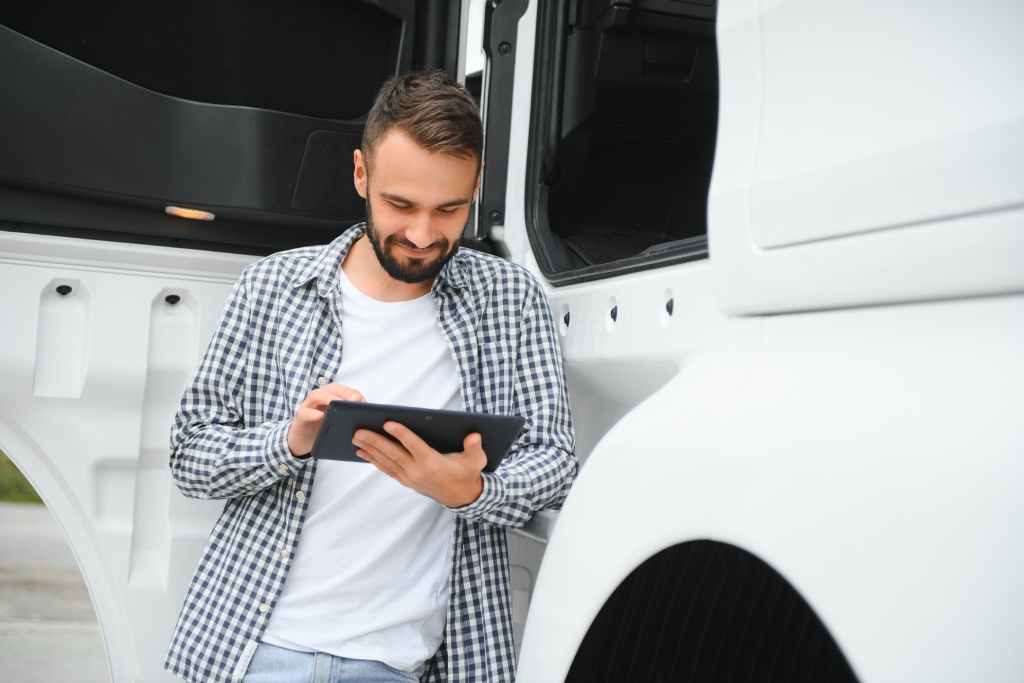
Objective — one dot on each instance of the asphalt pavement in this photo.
(48, 628)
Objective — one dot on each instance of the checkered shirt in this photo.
(279, 333)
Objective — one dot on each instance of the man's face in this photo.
(407, 270)
(416, 205)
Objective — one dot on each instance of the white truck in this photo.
(783, 239)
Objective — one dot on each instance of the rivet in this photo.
(64, 290)
(172, 299)
(615, 313)
(670, 305)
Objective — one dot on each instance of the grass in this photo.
(14, 487)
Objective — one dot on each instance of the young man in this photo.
(397, 570)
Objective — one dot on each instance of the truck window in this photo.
(626, 108)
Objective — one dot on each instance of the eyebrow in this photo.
(444, 205)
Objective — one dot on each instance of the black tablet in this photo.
(443, 430)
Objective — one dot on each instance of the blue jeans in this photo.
(272, 664)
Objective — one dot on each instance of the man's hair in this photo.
(432, 109)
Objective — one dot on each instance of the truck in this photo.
(782, 240)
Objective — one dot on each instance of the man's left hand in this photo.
(452, 479)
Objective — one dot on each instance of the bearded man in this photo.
(322, 570)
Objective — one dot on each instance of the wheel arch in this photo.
(708, 610)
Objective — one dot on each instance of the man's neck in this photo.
(365, 272)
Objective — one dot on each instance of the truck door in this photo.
(147, 154)
(783, 243)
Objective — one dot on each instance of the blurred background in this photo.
(48, 628)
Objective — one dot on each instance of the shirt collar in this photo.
(323, 266)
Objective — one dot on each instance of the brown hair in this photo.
(432, 109)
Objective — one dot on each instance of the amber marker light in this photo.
(193, 214)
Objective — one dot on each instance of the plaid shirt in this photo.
(279, 337)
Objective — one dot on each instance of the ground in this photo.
(48, 629)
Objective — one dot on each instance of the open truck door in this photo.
(148, 154)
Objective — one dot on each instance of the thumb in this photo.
(473, 442)
(473, 447)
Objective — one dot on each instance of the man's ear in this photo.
(359, 172)
(479, 175)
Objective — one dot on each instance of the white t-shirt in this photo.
(369, 579)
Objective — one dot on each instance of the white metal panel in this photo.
(89, 425)
(874, 460)
(885, 114)
(943, 254)
(650, 394)
(870, 456)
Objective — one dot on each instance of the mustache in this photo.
(396, 239)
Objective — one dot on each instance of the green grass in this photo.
(14, 487)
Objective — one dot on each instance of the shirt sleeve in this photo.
(214, 453)
(541, 465)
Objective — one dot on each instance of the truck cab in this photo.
(783, 242)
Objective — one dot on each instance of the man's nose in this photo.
(420, 230)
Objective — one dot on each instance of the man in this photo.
(337, 571)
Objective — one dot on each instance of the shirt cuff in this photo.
(279, 457)
(492, 496)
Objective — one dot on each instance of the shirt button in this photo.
(264, 607)
(283, 467)
(320, 381)
(249, 487)
(301, 495)
(285, 553)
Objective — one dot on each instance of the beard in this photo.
(410, 271)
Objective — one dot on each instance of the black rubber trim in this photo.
(501, 27)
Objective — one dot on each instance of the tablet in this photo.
(443, 430)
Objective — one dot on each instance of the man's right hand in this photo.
(310, 413)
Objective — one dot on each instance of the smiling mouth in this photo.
(417, 251)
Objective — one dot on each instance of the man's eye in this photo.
(399, 207)
(447, 212)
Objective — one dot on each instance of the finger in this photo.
(308, 414)
(383, 460)
(315, 404)
(302, 431)
(408, 438)
(342, 392)
(319, 398)
(384, 466)
(379, 445)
